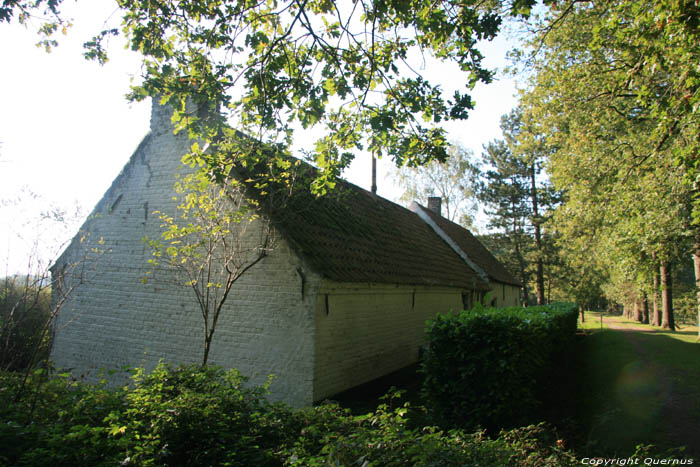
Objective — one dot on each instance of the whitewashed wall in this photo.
(364, 331)
(113, 320)
(505, 294)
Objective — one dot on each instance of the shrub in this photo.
(25, 311)
(385, 438)
(685, 308)
(57, 422)
(206, 416)
(187, 415)
(193, 415)
(491, 368)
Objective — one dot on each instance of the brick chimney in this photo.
(161, 117)
(435, 204)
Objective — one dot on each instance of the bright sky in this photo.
(66, 129)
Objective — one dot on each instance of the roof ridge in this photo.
(420, 212)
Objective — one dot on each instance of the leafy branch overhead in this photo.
(351, 69)
(275, 66)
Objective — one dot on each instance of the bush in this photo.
(385, 438)
(191, 415)
(206, 416)
(187, 415)
(685, 308)
(491, 368)
(25, 311)
(56, 422)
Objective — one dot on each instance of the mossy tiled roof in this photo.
(476, 251)
(351, 235)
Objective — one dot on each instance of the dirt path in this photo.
(677, 409)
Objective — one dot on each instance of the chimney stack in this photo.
(435, 204)
(161, 117)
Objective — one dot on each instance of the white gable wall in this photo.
(113, 320)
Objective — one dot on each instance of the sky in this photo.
(66, 129)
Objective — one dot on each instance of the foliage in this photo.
(47, 11)
(31, 301)
(270, 68)
(685, 308)
(312, 64)
(57, 421)
(519, 198)
(25, 310)
(386, 438)
(454, 181)
(505, 249)
(609, 89)
(506, 357)
(206, 416)
(194, 416)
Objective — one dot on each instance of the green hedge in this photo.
(208, 417)
(492, 368)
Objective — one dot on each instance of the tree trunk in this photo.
(580, 309)
(666, 296)
(637, 311)
(696, 263)
(539, 265)
(656, 319)
(207, 346)
(521, 259)
(645, 308)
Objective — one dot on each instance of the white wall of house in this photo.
(503, 295)
(364, 331)
(318, 337)
(113, 320)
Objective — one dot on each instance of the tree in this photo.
(46, 10)
(270, 68)
(608, 96)
(25, 308)
(216, 236)
(517, 194)
(454, 181)
(503, 192)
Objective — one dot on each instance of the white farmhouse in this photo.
(342, 299)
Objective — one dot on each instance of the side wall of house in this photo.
(364, 331)
(112, 319)
(503, 295)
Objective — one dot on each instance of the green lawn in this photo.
(592, 321)
(640, 387)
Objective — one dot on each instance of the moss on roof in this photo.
(351, 235)
(476, 251)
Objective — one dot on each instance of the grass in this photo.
(613, 422)
(592, 322)
(640, 387)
